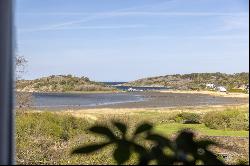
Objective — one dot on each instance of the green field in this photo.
(172, 128)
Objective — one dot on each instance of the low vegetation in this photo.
(196, 81)
(49, 138)
(183, 150)
(61, 83)
(41, 138)
(187, 118)
(228, 119)
(237, 91)
(169, 129)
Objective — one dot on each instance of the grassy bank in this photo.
(82, 92)
(172, 128)
(48, 138)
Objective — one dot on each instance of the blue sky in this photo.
(123, 40)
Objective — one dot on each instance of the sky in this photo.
(125, 40)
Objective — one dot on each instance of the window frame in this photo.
(7, 142)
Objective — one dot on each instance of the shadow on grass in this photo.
(163, 151)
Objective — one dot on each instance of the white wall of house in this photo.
(221, 89)
(210, 85)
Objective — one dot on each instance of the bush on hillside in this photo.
(237, 91)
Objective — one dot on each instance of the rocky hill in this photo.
(60, 83)
(195, 81)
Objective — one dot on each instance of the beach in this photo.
(213, 93)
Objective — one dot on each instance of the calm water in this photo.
(61, 100)
(125, 88)
(69, 100)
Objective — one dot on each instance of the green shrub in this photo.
(228, 119)
(187, 118)
(237, 91)
(50, 125)
(242, 161)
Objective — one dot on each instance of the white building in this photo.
(210, 86)
(131, 90)
(221, 89)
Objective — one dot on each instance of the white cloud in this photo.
(208, 37)
(141, 13)
(96, 16)
(87, 27)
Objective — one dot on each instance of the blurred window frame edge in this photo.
(7, 143)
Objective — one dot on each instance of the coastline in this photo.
(206, 92)
(73, 92)
(213, 93)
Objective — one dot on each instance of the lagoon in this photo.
(69, 100)
(148, 99)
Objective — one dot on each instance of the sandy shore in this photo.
(222, 94)
(94, 114)
(164, 100)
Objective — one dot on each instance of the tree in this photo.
(21, 62)
(23, 99)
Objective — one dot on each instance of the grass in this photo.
(48, 138)
(172, 128)
(229, 119)
(237, 91)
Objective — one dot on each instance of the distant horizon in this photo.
(126, 40)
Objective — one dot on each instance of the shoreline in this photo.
(168, 100)
(94, 113)
(73, 92)
(213, 93)
(117, 111)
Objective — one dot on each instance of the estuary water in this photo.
(69, 100)
(149, 99)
